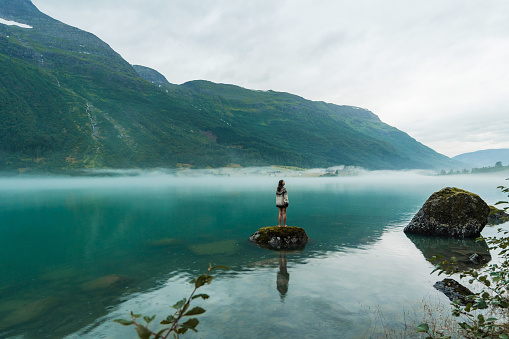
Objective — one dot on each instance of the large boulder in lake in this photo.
(280, 238)
(451, 212)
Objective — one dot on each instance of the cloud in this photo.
(437, 70)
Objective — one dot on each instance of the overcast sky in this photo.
(436, 69)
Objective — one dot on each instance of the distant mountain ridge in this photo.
(67, 101)
(485, 158)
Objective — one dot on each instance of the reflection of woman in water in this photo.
(282, 201)
(282, 276)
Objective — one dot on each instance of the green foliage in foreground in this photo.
(480, 318)
(173, 323)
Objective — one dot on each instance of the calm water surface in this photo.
(76, 253)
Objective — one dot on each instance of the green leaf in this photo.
(203, 296)
(124, 322)
(169, 320)
(490, 320)
(196, 310)
(437, 267)
(481, 304)
(180, 304)
(468, 307)
(143, 332)
(181, 330)
(148, 319)
(501, 202)
(135, 315)
(219, 266)
(423, 328)
(503, 336)
(200, 281)
(191, 324)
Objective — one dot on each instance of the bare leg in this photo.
(280, 213)
(284, 216)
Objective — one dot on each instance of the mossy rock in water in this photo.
(280, 238)
(497, 216)
(451, 212)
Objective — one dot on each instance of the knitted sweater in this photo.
(282, 198)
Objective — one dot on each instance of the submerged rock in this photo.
(454, 291)
(280, 238)
(478, 259)
(228, 247)
(497, 216)
(451, 212)
(106, 282)
(29, 311)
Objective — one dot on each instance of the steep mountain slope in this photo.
(151, 75)
(67, 100)
(485, 158)
(314, 133)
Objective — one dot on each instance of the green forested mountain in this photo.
(67, 100)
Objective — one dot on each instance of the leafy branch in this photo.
(174, 320)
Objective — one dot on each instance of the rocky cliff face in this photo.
(451, 212)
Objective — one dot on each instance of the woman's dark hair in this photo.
(280, 185)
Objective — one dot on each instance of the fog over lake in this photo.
(79, 252)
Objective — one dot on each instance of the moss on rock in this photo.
(280, 238)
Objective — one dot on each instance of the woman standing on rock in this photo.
(282, 201)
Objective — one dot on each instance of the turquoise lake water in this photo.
(76, 253)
